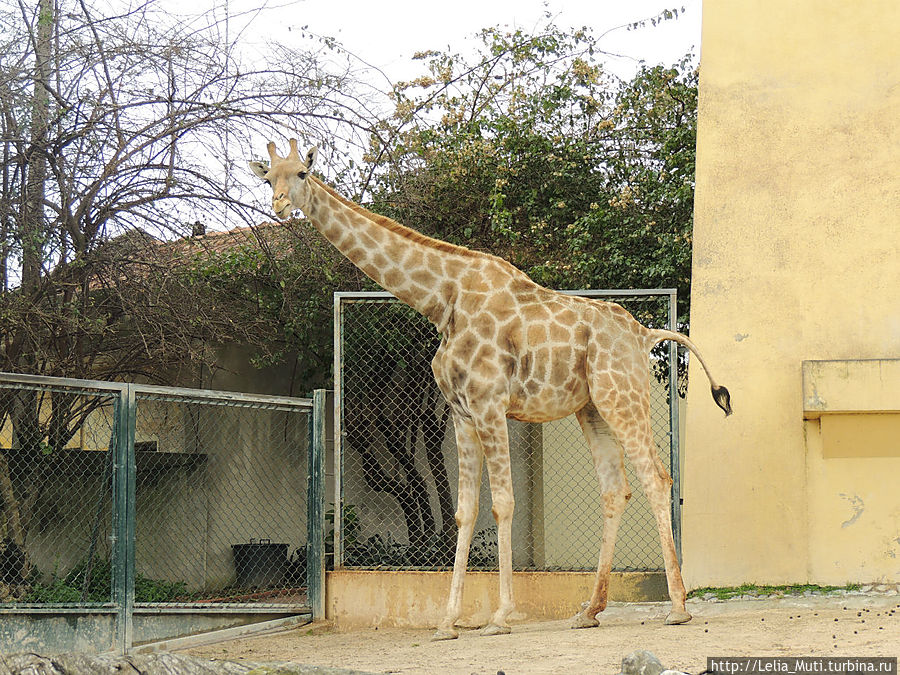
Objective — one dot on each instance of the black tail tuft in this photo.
(722, 399)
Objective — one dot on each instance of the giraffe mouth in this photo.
(284, 212)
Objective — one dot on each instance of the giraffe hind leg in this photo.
(626, 409)
(637, 440)
(610, 469)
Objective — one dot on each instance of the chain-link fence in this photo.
(57, 446)
(220, 500)
(148, 496)
(397, 466)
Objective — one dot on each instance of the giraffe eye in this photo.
(301, 175)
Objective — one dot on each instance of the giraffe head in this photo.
(287, 178)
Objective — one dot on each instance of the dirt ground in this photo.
(844, 625)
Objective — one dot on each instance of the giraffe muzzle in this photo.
(282, 207)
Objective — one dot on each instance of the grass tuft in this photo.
(729, 592)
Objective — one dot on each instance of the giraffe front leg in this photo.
(495, 443)
(503, 506)
(465, 519)
(470, 459)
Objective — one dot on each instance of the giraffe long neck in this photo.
(422, 272)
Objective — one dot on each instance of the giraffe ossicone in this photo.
(509, 349)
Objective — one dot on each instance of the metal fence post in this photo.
(123, 518)
(674, 440)
(338, 514)
(315, 521)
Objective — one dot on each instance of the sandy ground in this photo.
(848, 625)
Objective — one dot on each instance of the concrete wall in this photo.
(249, 483)
(852, 432)
(356, 599)
(796, 250)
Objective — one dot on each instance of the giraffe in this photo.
(509, 349)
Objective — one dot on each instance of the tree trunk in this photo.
(14, 532)
(36, 157)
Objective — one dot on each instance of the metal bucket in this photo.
(260, 564)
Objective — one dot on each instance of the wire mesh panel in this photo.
(398, 458)
(220, 501)
(57, 446)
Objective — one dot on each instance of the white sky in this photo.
(386, 33)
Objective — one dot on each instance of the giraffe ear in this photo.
(311, 155)
(259, 168)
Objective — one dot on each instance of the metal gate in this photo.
(134, 513)
(395, 460)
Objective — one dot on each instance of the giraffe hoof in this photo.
(582, 620)
(677, 616)
(494, 629)
(444, 634)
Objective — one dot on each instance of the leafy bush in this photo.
(68, 589)
(379, 551)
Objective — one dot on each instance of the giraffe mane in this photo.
(413, 235)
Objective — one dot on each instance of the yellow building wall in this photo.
(852, 413)
(796, 258)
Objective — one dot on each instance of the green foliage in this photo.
(271, 292)
(536, 154)
(68, 589)
(383, 551)
(729, 592)
(56, 591)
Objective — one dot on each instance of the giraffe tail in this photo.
(719, 393)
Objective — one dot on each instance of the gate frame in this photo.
(340, 297)
(123, 500)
